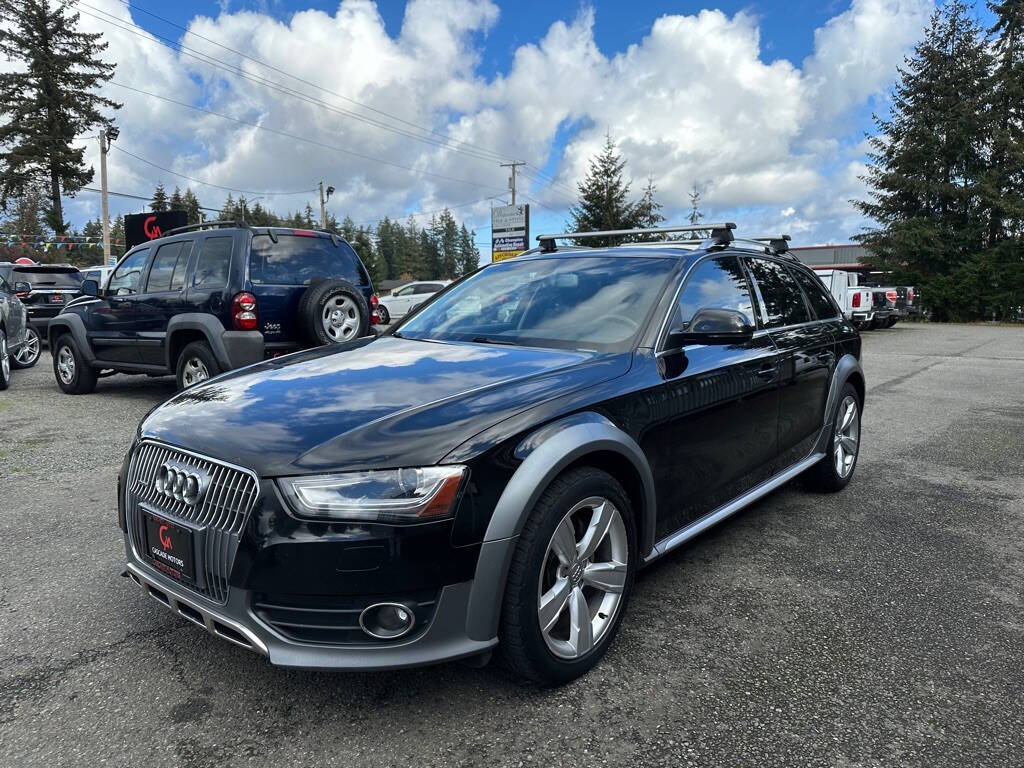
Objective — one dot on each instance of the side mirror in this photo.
(90, 288)
(22, 287)
(713, 326)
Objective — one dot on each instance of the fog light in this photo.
(387, 621)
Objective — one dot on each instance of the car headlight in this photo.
(410, 495)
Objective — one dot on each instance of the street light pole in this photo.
(103, 196)
(324, 197)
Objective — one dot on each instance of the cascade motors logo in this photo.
(165, 537)
(150, 228)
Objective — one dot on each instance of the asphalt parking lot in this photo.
(882, 626)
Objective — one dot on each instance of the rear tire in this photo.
(891, 322)
(582, 588)
(383, 314)
(196, 364)
(5, 362)
(73, 373)
(29, 353)
(835, 470)
(333, 312)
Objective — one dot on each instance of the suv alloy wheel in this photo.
(29, 353)
(5, 362)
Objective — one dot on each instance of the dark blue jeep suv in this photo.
(209, 298)
(493, 472)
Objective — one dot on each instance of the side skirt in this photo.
(697, 527)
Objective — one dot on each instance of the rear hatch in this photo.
(52, 287)
(282, 265)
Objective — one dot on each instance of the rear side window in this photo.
(214, 263)
(782, 299)
(4, 286)
(168, 270)
(45, 279)
(715, 284)
(298, 260)
(820, 300)
(428, 288)
(127, 278)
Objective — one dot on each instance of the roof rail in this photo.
(204, 225)
(721, 234)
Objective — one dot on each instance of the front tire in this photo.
(29, 353)
(196, 364)
(570, 579)
(74, 375)
(5, 362)
(835, 470)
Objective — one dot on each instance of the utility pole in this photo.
(323, 204)
(103, 196)
(512, 180)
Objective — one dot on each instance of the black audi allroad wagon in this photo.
(492, 472)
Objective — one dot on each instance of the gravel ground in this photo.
(881, 626)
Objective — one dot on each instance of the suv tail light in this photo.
(891, 296)
(910, 295)
(243, 312)
(374, 315)
(304, 233)
(856, 299)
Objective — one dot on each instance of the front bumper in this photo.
(443, 640)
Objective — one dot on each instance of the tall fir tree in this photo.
(1005, 183)
(647, 213)
(192, 207)
(928, 161)
(159, 202)
(604, 196)
(430, 245)
(229, 211)
(176, 202)
(448, 244)
(696, 215)
(469, 254)
(48, 100)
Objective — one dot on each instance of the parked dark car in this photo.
(13, 330)
(209, 298)
(494, 477)
(50, 288)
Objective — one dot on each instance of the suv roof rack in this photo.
(205, 225)
(778, 243)
(721, 234)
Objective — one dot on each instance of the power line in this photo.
(494, 153)
(211, 184)
(301, 138)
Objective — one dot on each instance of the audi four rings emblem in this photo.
(181, 482)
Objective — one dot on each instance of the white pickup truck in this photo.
(855, 299)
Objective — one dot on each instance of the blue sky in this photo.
(762, 105)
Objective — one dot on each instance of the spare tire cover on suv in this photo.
(333, 311)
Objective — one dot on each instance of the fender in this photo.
(206, 324)
(547, 452)
(847, 366)
(69, 321)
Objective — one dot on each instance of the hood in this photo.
(384, 402)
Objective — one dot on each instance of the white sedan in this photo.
(407, 298)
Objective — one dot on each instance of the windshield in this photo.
(564, 302)
(298, 260)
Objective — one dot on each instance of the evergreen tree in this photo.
(48, 100)
(928, 161)
(176, 201)
(469, 255)
(648, 212)
(430, 247)
(229, 211)
(695, 212)
(348, 229)
(1005, 182)
(307, 218)
(117, 236)
(93, 228)
(603, 202)
(27, 217)
(159, 201)
(448, 245)
(386, 249)
(414, 256)
(191, 205)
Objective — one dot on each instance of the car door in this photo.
(400, 301)
(12, 311)
(806, 357)
(207, 279)
(714, 434)
(162, 298)
(112, 332)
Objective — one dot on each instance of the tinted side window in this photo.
(127, 278)
(168, 270)
(715, 284)
(4, 286)
(213, 263)
(429, 288)
(821, 301)
(782, 299)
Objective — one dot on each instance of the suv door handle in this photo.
(767, 371)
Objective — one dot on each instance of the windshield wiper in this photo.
(492, 340)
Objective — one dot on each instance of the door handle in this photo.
(767, 372)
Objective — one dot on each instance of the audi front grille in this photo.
(221, 512)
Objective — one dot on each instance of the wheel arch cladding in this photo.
(197, 326)
(581, 440)
(70, 323)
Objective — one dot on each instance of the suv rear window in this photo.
(40, 278)
(298, 260)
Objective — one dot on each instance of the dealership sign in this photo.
(140, 227)
(510, 231)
